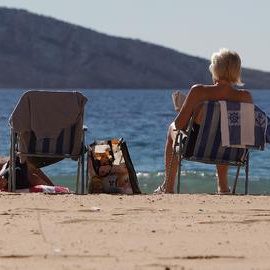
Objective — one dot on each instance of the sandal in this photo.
(159, 190)
(225, 192)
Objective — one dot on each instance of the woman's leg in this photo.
(37, 177)
(222, 178)
(170, 165)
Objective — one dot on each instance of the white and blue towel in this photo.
(243, 125)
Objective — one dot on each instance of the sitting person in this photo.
(225, 68)
(27, 175)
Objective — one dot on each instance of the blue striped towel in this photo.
(243, 125)
(208, 147)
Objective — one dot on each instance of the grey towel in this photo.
(34, 105)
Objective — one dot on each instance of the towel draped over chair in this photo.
(243, 125)
(47, 126)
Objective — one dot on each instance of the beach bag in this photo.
(110, 169)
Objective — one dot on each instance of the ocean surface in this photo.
(142, 117)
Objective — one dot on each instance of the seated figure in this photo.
(27, 175)
(225, 68)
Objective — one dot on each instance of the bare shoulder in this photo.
(196, 87)
(202, 92)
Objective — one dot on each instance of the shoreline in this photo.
(134, 232)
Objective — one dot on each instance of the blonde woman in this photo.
(225, 68)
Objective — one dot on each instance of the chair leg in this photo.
(236, 179)
(87, 173)
(12, 165)
(82, 172)
(78, 175)
(247, 174)
(80, 169)
(179, 164)
(179, 174)
(82, 161)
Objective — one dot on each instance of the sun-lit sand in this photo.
(134, 232)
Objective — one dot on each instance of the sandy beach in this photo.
(41, 231)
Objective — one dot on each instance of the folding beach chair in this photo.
(207, 147)
(46, 127)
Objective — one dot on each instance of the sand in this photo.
(40, 231)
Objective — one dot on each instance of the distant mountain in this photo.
(42, 52)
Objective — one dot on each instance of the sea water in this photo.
(142, 118)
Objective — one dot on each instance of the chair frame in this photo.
(14, 153)
(179, 148)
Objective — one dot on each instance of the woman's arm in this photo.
(193, 98)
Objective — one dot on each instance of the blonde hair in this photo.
(226, 65)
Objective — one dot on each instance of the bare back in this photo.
(200, 93)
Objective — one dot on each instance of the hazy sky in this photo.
(196, 27)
